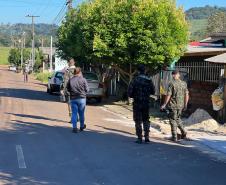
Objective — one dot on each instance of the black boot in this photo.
(174, 139)
(139, 141)
(83, 128)
(75, 130)
(147, 140)
(184, 135)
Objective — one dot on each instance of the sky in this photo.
(52, 11)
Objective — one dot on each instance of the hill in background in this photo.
(198, 19)
(10, 33)
(203, 12)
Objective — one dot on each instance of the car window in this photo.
(59, 75)
(90, 76)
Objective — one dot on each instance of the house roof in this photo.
(220, 34)
(220, 59)
(47, 50)
(204, 51)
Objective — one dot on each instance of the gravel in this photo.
(201, 120)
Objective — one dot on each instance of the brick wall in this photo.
(200, 96)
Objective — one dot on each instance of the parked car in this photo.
(12, 68)
(55, 82)
(96, 90)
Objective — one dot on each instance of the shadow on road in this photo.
(28, 94)
(115, 130)
(36, 117)
(54, 155)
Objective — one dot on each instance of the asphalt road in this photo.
(37, 146)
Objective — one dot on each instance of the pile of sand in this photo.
(201, 120)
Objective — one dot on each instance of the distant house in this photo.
(204, 76)
(47, 52)
(216, 39)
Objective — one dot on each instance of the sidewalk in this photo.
(213, 140)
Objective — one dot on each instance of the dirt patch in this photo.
(201, 120)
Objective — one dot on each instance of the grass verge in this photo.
(43, 77)
(4, 54)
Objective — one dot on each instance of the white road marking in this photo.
(20, 157)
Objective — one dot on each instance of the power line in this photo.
(33, 38)
(59, 15)
(43, 8)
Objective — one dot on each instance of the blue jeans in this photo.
(78, 108)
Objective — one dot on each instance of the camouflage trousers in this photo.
(68, 101)
(141, 117)
(175, 122)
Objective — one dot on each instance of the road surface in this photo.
(38, 147)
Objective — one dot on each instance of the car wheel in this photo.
(50, 90)
(99, 100)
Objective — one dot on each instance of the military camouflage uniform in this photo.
(177, 90)
(69, 73)
(140, 90)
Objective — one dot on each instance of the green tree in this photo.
(14, 57)
(124, 33)
(39, 57)
(217, 23)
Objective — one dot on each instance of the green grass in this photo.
(43, 77)
(4, 53)
(198, 29)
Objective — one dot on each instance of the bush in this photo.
(43, 77)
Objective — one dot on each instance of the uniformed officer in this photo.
(69, 73)
(177, 101)
(140, 89)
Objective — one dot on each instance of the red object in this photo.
(194, 44)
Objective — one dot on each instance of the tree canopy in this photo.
(217, 23)
(15, 57)
(152, 32)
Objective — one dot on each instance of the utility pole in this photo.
(22, 46)
(51, 55)
(69, 4)
(33, 38)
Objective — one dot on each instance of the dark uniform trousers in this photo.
(141, 117)
(175, 121)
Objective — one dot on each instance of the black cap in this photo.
(141, 68)
(176, 71)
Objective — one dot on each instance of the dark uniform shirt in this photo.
(177, 90)
(140, 90)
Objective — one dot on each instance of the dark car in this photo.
(55, 82)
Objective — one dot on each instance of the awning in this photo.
(220, 59)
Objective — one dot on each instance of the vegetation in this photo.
(217, 23)
(15, 57)
(43, 77)
(198, 29)
(11, 33)
(203, 12)
(4, 54)
(122, 33)
(205, 20)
